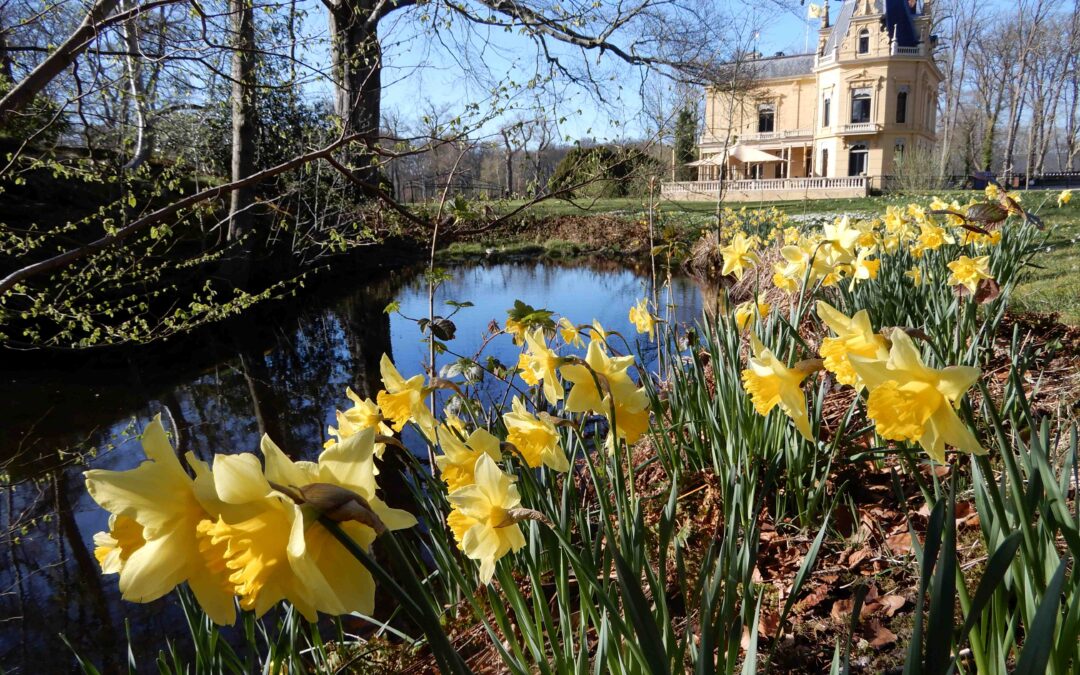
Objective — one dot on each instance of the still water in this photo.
(284, 378)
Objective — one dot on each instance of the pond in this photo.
(282, 377)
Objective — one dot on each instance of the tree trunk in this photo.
(357, 61)
(144, 136)
(244, 115)
(25, 91)
(7, 71)
(988, 144)
(509, 160)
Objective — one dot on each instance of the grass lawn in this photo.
(1053, 286)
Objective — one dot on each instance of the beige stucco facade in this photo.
(853, 108)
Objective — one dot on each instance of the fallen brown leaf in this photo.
(899, 544)
(878, 635)
(892, 603)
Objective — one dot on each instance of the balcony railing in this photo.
(860, 128)
(777, 135)
(897, 50)
(826, 59)
(712, 187)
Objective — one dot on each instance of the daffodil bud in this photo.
(516, 515)
(441, 383)
(807, 366)
(389, 440)
(340, 504)
(335, 502)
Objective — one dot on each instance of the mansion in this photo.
(828, 124)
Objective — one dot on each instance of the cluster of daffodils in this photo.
(849, 251)
(243, 530)
(907, 399)
(486, 506)
(842, 250)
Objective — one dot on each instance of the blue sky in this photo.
(425, 70)
(439, 80)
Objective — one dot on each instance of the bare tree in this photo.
(244, 113)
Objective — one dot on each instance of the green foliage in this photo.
(39, 123)
(604, 171)
(685, 144)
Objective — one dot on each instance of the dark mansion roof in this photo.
(898, 18)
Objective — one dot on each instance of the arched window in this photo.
(824, 161)
(825, 111)
(864, 41)
(857, 159)
(901, 105)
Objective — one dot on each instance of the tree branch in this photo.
(58, 261)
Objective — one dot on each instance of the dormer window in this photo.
(766, 118)
(864, 41)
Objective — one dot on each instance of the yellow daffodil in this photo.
(642, 319)
(744, 312)
(517, 330)
(570, 333)
(525, 371)
(153, 541)
(855, 336)
(598, 332)
(621, 397)
(840, 238)
(482, 521)
(542, 364)
(992, 192)
(739, 255)
(770, 384)
(786, 283)
(910, 401)
(1064, 198)
(275, 547)
(915, 274)
(918, 213)
(968, 272)
(113, 547)
(535, 437)
(459, 457)
(932, 237)
(403, 400)
(364, 414)
(863, 268)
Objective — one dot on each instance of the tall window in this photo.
(825, 112)
(864, 41)
(824, 161)
(857, 160)
(860, 106)
(766, 117)
(898, 152)
(901, 106)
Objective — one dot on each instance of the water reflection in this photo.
(282, 377)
